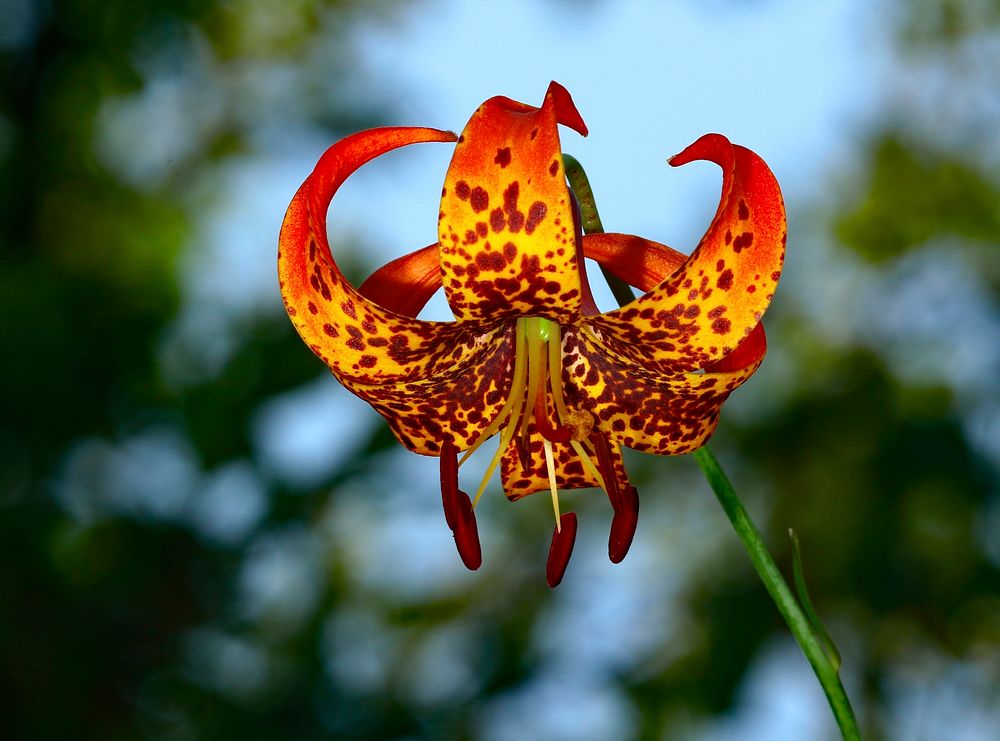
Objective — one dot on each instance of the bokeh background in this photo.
(202, 536)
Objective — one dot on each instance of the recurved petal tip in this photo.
(563, 538)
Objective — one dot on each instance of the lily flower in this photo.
(530, 359)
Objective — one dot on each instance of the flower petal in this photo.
(357, 338)
(506, 223)
(453, 403)
(433, 381)
(406, 284)
(664, 414)
(706, 307)
(639, 262)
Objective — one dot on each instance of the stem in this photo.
(810, 643)
(776, 586)
(591, 220)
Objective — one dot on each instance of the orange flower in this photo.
(529, 358)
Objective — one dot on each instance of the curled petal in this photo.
(406, 284)
(357, 338)
(639, 262)
(707, 306)
(664, 414)
(505, 227)
(454, 403)
(432, 381)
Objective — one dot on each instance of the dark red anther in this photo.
(623, 525)
(449, 483)
(467, 533)
(563, 538)
(458, 510)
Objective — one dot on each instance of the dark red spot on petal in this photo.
(479, 199)
(744, 212)
(367, 361)
(721, 326)
(743, 241)
(462, 189)
(725, 281)
(503, 157)
(536, 214)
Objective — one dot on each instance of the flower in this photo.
(529, 358)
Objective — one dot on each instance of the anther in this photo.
(563, 538)
(623, 525)
(449, 483)
(467, 533)
(458, 510)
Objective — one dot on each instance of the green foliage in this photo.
(913, 195)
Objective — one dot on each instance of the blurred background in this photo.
(203, 536)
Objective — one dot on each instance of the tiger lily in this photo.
(529, 358)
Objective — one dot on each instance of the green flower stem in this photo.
(808, 641)
(592, 223)
(812, 644)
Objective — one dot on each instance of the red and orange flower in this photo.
(529, 358)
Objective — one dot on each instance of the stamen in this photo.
(559, 433)
(511, 407)
(467, 534)
(505, 438)
(458, 509)
(607, 468)
(563, 538)
(533, 329)
(623, 525)
(555, 372)
(449, 483)
(551, 466)
(588, 463)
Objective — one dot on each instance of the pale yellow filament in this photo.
(516, 391)
(555, 372)
(588, 463)
(533, 329)
(537, 354)
(551, 466)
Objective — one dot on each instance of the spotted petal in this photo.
(506, 223)
(406, 368)
(643, 410)
(706, 307)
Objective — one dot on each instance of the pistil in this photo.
(536, 388)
